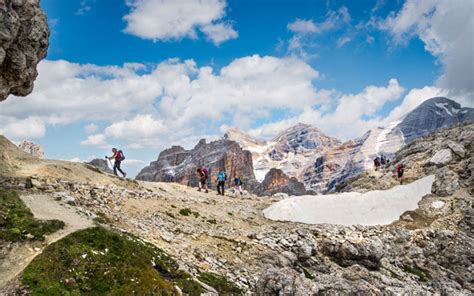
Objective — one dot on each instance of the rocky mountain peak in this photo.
(31, 148)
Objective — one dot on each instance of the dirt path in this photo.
(46, 208)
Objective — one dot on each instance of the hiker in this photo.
(382, 159)
(377, 163)
(202, 176)
(118, 157)
(221, 178)
(238, 185)
(400, 171)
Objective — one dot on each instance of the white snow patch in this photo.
(445, 107)
(350, 208)
(438, 204)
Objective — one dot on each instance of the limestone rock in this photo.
(284, 281)
(24, 43)
(31, 148)
(442, 157)
(446, 182)
(278, 182)
(101, 164)
(457, 149)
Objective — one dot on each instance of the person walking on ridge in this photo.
(118, 157)
(400, 171)
(221, 178)
(238, 185)
(202, 176)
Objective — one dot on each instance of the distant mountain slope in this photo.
(289, 151)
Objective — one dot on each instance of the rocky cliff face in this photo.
(31, 148)
(101, 164)
(276, 181)
(23, 44)
(179, 165)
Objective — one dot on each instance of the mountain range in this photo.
(304, 153)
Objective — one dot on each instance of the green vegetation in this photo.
(97, 261)
(220, 283)
(422, 274)
(17, 221)
(185, 212)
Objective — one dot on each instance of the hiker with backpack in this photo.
(202, 177)
(400, 171)
(118, 157)
(377, 163)
(221, 178)
(238, 185)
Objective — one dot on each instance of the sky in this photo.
(142, 75)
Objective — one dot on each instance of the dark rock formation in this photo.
(177, 164)
(277, 181)
(24, 42)
(101, 164)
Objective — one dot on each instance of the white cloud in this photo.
(447, 30)
(343, 41)
(301, 43)
(91, 128)
(141, 126)
(219, 32)
(97, 140)
(177, 19)
(23, 129)
(357, 111)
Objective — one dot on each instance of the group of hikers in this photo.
(203, 177)
(383, 162)
(202, 174)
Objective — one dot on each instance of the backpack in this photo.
(222, 176)
(205, 172)
(122, 156)
(240, 183)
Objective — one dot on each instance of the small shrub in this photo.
(185, 212)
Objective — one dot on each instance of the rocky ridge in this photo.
(24, 43)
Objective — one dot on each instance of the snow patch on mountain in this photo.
(351, 208)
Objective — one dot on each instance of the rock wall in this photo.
(177, 164)
(24, 42)
(276, 181)
(31, 148)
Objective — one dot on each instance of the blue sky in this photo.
(143, 75)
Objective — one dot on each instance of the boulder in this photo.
(457, 149)
(276, 181)
(32, 149)
(441, 157)
(24, 41)
(446, 182)
(285, 281)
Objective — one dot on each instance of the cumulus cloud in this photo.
(357, 111)
(447, 30)
(91, 128)
(97, 140)
(173, 20)
(27, 128)
(304, 31)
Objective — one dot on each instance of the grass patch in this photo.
(422, 274)
(16, 220)
(220, 283)
(97, 261)
(212, 221)
(185, 212)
